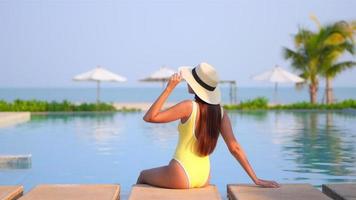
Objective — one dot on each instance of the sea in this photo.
(149, 94)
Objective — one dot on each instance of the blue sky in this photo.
(46, 43)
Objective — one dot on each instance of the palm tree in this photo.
(306, 60)
(316, 54)
(339, 40)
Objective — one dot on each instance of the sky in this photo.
(46, 43)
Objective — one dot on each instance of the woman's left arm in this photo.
(237, 151)
(178, 111)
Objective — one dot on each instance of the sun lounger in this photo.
(15, 161)
(146, 192)
(10, 192)
(73, 192)
(340, 191)
(286, 191)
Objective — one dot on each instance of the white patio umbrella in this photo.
(278, 75)
(98, 75)
(161, 75)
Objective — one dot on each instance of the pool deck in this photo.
(299, 191)
(13, 118)
(74, 192)
(340, 191)
(142, 191)
(286, 191)
(11, 192)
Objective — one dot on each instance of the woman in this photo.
(201, 122)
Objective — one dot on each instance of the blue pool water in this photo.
(289, 147)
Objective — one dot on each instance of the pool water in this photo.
(285, 146)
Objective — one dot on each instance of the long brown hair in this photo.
(208, 127)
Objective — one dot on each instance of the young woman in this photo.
(201, 122)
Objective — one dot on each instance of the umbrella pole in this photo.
(97, 92)
(275, 92)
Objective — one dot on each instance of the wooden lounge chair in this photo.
(146, 192)
(286, 191)
(74, 192)
(10, 192)
(340, 191)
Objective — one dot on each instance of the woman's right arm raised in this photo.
(237, 151)
(178, 111)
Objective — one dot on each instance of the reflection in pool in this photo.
(289, 147)
(322, 145)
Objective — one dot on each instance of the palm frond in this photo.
(302, 36)
(335, 69)
(353, 26)
(297, 58)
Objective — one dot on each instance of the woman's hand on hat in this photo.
(174, 80)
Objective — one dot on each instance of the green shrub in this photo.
(348, 103)
(53, 106)
(257, 103)
(262, 103)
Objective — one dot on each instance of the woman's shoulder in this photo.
(187, 102)
(186, 105)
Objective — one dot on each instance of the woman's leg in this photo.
(171, 176)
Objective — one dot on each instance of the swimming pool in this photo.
(289, 147)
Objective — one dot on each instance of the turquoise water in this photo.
(289, 147)
(139, 94)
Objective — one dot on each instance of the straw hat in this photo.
(203, 79)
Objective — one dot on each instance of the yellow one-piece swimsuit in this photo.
(196, 167)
